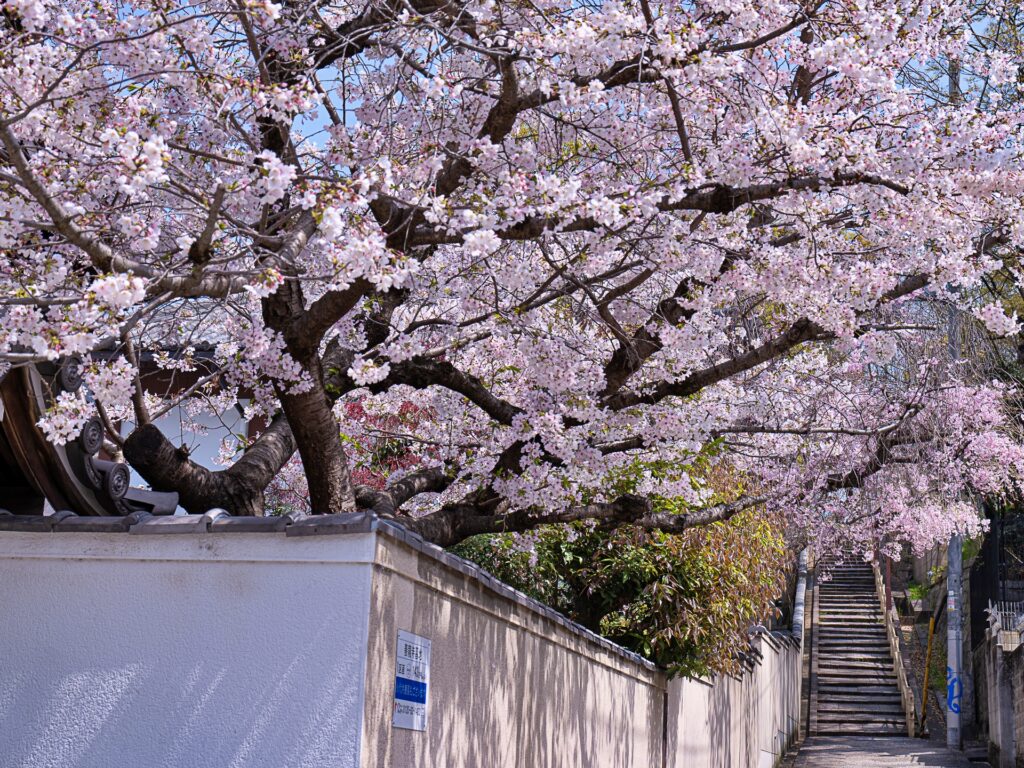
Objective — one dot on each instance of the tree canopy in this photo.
(530, 247)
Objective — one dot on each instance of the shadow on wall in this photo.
(743, 721)
(222, 661)
(104, 679)
(504, 688)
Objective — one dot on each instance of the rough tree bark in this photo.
(238, 489)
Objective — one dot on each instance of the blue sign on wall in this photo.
(410, 690)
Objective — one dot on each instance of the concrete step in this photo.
(824, 598)
(845, 671)
(866, 603)
(853, 699)
(869, 657)
(829, 720)
(849, 600)
(842, 598)
(860, 717)
(855, 677)
(873, 666)
(853, 654)
(825, 609)
(855, 682)
(839, 608)
(868, 632)
(854, 633)
(827, 647)
(852, 589)
(857, 621)
(848, 659)
(827, 689)
(862, 729)
(838, 643)
(840, 708)
(846, 674)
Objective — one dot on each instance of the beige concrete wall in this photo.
(922, 566)
(266, 649)
(508, 685)
(746, 721)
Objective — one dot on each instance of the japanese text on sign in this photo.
(412, 677)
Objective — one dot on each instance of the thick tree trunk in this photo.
(318, 438)
(310, 414)
(167, 468)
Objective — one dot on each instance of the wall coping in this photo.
(218, 521)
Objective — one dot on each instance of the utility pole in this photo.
(955, 641)
(954, 555)
(954, 571)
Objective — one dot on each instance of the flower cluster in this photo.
(112, 383)
(585, 243)
(64, 420)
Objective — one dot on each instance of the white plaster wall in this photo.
(509, 688)
(185, 651)
(266, 651)
(745, 721)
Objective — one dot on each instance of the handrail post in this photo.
(892, 630)
(888, 583)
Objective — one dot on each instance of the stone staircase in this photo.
(853, 682)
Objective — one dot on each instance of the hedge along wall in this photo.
(275, 645)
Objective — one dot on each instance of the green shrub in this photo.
(684, 601)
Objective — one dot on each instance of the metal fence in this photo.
(1007, 619)
(997, 575)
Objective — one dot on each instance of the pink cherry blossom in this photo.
(622, 260)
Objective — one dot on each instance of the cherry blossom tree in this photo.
(586, 241)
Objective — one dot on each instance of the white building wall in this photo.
(185, 651)
(742, 721)
(267, 650)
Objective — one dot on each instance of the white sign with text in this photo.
(412, 677)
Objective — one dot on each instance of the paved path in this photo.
(874, 752)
